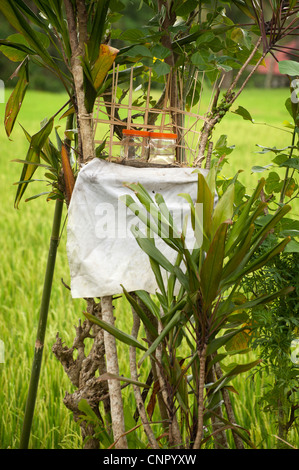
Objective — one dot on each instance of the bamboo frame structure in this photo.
(112, 115)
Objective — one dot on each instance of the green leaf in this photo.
(243, 221)
(152, 251)
(244, 113)
(186, 7)
(239, 254)
(160, 52)
(224, 209)
(292, 247)
(217, 343)
(132, 35)
(236, 370)
(143, 317)
(15, 48)
(139, 51)
(161, 68)
(33, 158)
(259, 262)
(103, 64)
(97, 28)
(15, 101)
(211, 271)
(108, 376)
(291, 163)
(148, 302)
(205, 197)
(265, 299)
(171, 324)
(118, 334)
(205, 38)
(260, 169)
(280, 213)
(289, 67)
(14, 16)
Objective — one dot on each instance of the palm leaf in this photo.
(118, 334)
(15, 101)
(33, 158)
(211, 271)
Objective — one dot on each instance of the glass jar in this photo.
(162, 147)
(134, 144)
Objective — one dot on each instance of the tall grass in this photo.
(24, 240)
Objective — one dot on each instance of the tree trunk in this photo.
(117, 413)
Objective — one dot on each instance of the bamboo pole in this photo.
(40, 337)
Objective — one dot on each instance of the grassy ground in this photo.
(24, 238)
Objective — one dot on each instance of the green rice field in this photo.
(24, 240)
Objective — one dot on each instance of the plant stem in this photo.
(39, 343)
(286, 178)
(202, 365)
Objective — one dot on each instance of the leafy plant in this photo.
(206, 310)
(275, 328)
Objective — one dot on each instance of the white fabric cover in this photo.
(102, 251)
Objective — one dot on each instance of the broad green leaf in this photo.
(289, 67)
(211, 271)
(15, 48)
(33, 158)
(132, 35)
(205, 38)
(161, 68)
(160, 52)
(15, 101)
(244, 113)
(118, 334)
(292, 247)
(291, 163)
(292, 107)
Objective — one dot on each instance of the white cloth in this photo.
(103, 253)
